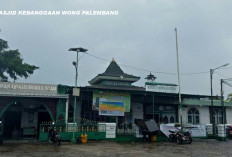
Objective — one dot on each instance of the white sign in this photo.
(195, 130)
(76, 91)
(25, 86)
(161, 88)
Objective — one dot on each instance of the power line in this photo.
(222, 75)
(159, 72)
(97, 57)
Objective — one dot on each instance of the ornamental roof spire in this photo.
(151, 77)
(113, 73)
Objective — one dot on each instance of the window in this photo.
(217, 115)
(165, 120)
(193, 116)
(172, 119)
(30, 117)
(168, 118)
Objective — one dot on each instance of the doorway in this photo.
(43, 118)
(12, 125)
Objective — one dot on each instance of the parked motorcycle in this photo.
(173, 136)
(177, 136)
(229, 131)
(53, 136)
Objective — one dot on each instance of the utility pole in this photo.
(178, 72)
(77, 50)
(222, 103)
(211, 98)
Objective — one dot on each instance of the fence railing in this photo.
(127, 130)
(70, 127)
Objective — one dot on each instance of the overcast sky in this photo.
(141, 36)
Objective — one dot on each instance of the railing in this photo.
(127, 129)
(74, 128)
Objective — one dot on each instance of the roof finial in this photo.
(113, 60)
(150, 77)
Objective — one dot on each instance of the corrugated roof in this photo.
(111, 87)
(17, 94)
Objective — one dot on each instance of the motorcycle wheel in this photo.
(171, 138)
(179, 139)
(190, 140)
(50, 140)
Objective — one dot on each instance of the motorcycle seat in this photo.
(172, 131)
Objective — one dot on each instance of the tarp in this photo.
(152, 126)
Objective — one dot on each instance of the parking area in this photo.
(199, 148)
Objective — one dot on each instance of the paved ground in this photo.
(199, 148)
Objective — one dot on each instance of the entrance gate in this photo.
(21, 119)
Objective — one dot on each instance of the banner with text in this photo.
(111, 103)
(195, 130)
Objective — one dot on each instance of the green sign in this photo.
(100, 96)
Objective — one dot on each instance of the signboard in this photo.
(95, 105)
(111, 108)
(195, 130)
(76, 91)
(112, 99)
(27, 89)
(27, 86)
(161, 88)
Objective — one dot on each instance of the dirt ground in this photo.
(199, 148)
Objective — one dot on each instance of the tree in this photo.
(12, 64)
(229, 98)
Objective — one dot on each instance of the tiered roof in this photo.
(114, 73)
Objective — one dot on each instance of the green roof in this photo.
(158, 83)
(193, 102)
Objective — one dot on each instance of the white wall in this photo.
(137, 111)
(229, 115)
(24, 120)
(203, 111)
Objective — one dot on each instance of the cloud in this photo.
(142, 36)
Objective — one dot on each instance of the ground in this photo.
(199, 148)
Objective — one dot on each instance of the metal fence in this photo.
(70, 127)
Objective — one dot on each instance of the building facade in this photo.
(23, 107)
(111, 97)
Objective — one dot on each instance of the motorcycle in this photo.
(54, 136)
(229, 131)
(173, 136)
(177, 136)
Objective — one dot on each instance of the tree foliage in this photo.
(12, 64)
(229, 98)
